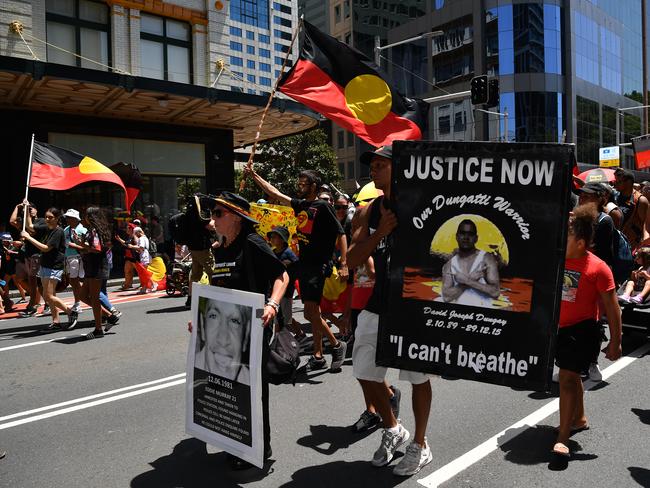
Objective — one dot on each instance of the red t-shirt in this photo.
(584, 279)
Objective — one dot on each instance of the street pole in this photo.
(378, 51)
(505, 122)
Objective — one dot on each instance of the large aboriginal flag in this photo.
(132, 179)
(641, 151)
(55, 168)
(345, 86)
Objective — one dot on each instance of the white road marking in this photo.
(90, 397)
(463, 462)
(61, 411)
(37, 343)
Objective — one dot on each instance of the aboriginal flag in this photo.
(345, 86)
(132, 179)
(55, 168)
(641, 151)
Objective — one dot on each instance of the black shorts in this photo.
(311, 279)
(576, 345)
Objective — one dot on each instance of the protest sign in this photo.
(224, 382)
(477, 260)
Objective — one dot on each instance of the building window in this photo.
(281, 21)
(250, 35)
(350, 139)
(250, 49)
(282, 8)
(337, 14)
(165, 49)
(238, 89)
(250, 64)
(459, 122)
(251, 78)
(265, 81)
(265, 53)
(263, 38)
(282, 35)
(265, 67)
(346, 9)
(236, 61)
(588, 130)
(340, 139)
(250, 12)
(81, 27)
(281, 48)
(235, 46)
(235, 31)
(444, 124)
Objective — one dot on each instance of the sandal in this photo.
(562, 450)
(53, 326)
(575, 430)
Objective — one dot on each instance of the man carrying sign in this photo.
(371, 228)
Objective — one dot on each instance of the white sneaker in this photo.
(595, 373)
(414, 460)
(389, 444)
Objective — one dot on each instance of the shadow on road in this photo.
(190, 466)
(532, 445)
(640, 475)
(341, 473)
(179, 308)
(644, 415)
(327, 439)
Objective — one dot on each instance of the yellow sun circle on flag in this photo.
(369, 98)
(89, 165)
(490, 238)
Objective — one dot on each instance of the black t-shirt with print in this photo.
(248, 264)
(317, 230)
(55, 257)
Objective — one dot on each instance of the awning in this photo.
(34, 85)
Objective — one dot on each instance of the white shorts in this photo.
(365, 350)
(74, 266)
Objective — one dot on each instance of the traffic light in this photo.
(479, 90)
(493, 93)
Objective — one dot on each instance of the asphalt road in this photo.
(110, 413)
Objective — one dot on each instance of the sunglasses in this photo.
(340, 207)
(217, 213)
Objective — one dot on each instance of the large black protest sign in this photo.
(476, 260)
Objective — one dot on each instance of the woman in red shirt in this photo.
(586, 277)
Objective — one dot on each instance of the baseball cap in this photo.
(282, 231)
(384, 151)
(592, 189)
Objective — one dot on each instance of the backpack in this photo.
(284, 358)
(623, 262)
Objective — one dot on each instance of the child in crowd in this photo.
(279, 238)
(639, 281)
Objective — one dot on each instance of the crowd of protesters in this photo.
(348, 239)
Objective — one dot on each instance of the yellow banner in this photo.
(269, 216)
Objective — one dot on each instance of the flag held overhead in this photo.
(345, 86)
(641, 147)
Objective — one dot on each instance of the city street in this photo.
(110, 412)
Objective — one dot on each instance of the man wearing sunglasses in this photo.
(318, 230)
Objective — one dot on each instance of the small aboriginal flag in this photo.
(641, 151)
(345, 86)
(132, 179)
(55, 168)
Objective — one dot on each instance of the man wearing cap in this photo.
(74, 267)
(634, 207)
(371, 232)
(318, 230)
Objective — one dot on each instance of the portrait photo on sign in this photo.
(469, 266)
(223, 339)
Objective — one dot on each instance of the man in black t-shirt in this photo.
(32, 255)
(318, 230)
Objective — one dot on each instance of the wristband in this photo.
(275, 305)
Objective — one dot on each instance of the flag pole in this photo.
(249, 164)
(29, 175)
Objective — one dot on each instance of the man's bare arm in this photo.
(450, 291)
(267, 187)
(363, 242)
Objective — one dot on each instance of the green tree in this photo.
(279, 162)
(186, 189)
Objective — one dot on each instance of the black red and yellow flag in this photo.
(55, 168)
(345, 86)
(132, 179)
(641, 147)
